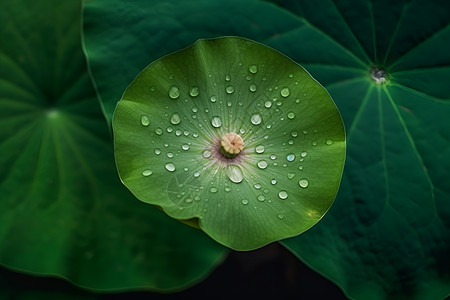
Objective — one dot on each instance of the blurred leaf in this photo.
(169, 124)
(387, 234)
(63, 209)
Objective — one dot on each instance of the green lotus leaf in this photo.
(234, 137)
(63, 210)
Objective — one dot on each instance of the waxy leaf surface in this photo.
(63, 210)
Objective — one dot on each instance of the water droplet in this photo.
(304, 154)
(158, 131)
(262, 164)
(280, 216)
(257, 186)
(169, 129)
(147, 172)
(261, 198)
(213, 190)
(291, 142)
(213, 99)
(273, 157)
(216, 122)
(273, 181)
(169, 154)
(256, 119)
(235, 173)
(253, 69)
(227, 78)
(253, 88)
(268, 104)
(157, 151)
(186, 133)
(285, 92)
(294, 133)
(300, 167)
(196, 174)
(291, 175)
(175, 119)
(303, 182)
(194, 109)
(170, 167)
(291, 75)
(145, 121)
(291, 115)
(260, 149)
(283, 195)
(185, 147)
(227, 189)
(178, 132)
(229, 89)
(290, 157)
(174, 92)
(244, 201)
(194, 91)
(329, 142)
(207, 154)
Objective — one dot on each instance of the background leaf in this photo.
(63, 209)
(387, 234)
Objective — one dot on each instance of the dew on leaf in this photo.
(169, 154)
(291, 175)
(158, 131)
(260, 149)
(252, 87)
(280, 216)
(213, 190)
(290, 157)
(294, 133)
(216, 121)
(170, 167)
(174, 92)
(244, 201)
(303, 182)
(262, 164)
(206, 153)
(268, 104)
(273, 181)
(213, 99)
(284, 92)
(235, 174)
(256, 119)
(185, 147)
(229, 89)
(175, 119)
(304, 153)
(329, 142)
(253, 69)
(194, 91)
(147, 172)
(157, 151)
(257, 186)
(227, 77)
(145, 121)
(291, 115)
(283, 195)
(261, 198)
(273, 157)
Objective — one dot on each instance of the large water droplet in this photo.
(291, 115)
(147, 172)
(253, 88)
(256, 119)
(303, 182)
(145, 121)
(260, 149)
(290, 157)
(253, 69)
(283, 195)
(285, 92)
(235, 173)
(175, 119)
(174, 92)
(170, 167)
(207, 153)
(262, 164)
(194, 91)
(268, 104)
(229, 89)
(216, 121)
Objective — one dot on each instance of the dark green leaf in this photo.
(168, 129)
(63, 210)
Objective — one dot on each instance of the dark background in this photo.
(269, 272)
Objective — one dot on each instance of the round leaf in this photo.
(169, 124)
(63, 210)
